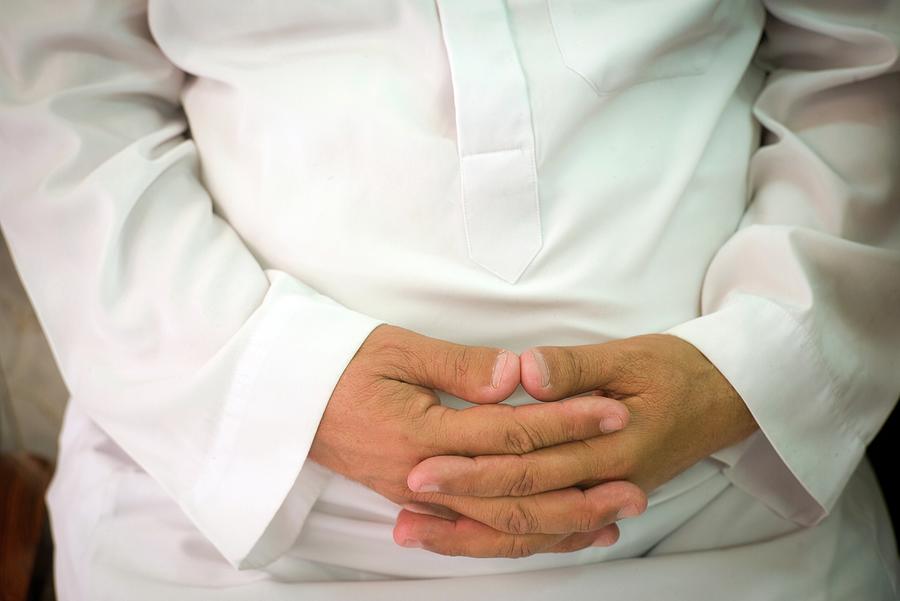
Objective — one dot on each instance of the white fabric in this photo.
(204, 288)
(497, 171)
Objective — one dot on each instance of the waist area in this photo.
(351, 527)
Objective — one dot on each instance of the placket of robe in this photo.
(495, 138)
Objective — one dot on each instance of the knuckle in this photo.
(523, 481)
(588, 519)
(517, 519)
(434, 430)
(520, 439)
(588, 462)
(517, 547)
(458, 363)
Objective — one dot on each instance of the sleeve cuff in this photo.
(282, 382)
(287, 522)
(804, 453)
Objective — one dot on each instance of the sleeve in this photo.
(211, 372)
(800, 308)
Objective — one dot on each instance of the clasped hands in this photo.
(493, 480)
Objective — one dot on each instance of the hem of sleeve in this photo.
(282, 383)
(803, 455)
(285, 526)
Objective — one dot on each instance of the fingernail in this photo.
(629, 511)
(411, 543)
(425, 487)
(611, 424)
(542, 368)
(499, 366)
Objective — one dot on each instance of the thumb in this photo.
(477, 374)
(551, 373)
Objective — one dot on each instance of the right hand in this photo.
(384, 417)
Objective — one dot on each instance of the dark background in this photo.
(883, 453)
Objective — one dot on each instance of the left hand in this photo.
(682, 410)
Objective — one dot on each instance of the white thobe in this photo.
(212, 204)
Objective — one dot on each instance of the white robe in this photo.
(503, 173)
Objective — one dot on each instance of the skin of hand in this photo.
(682, 410)
(384, 417)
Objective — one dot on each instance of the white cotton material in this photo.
(212, 204)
